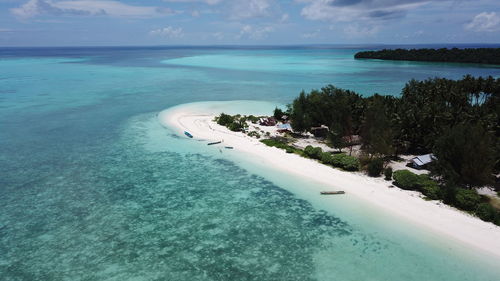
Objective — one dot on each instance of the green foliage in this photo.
(234, 123)
(335, 137)
(346, 162)
(406, 179)
(486, 212)
(465, 155)
(476, 55)
(375, 167)
(278, 113)
(388, 174)
(282, 145)
(253, 119)
(467, 199)
(329, 106)
(225, 119)
(430, 188)
(326, 158)
(254, 134)
(313, 152)
(376, 132)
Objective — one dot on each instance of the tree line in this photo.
(456, 120)
(469, 55)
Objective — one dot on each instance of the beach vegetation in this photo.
(234, 123)
(467, 199)
(406, 180)
(465, 156)
(486, 212)
(388, 174)
(313, 152)
(376, 133)
(468, 55)
(282, 144)
(279, 113)
(253, 134)
(375, 167)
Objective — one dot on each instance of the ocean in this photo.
(92, 187)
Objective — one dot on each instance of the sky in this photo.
(246, 22)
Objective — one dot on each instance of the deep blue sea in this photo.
(92, 187)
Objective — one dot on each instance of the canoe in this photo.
(228, 147)
(188, 134)
(215, 142)
(332, 192)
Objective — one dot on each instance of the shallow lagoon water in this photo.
(94, 188)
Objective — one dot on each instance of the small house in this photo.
(422, 161)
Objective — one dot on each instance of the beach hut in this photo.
(421, 162)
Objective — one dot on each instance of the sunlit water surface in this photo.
(93, 187)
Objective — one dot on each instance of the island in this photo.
(430, 156)
(468, 55)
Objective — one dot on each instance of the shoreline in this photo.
(408, 205)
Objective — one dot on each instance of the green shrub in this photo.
(486, 212)
(282, 145)
(253, 119)
(497, 219)
(225, 119)
(346, 162)
(375, 167)
(388, 173)
(406, 180)
(313, 152)
(254, 134)
(326, 158)
(430, 189)
(235, 126)
(467, 199)
(350, 163)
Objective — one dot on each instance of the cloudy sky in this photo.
(253, 22)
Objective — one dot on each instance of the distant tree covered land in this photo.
(456, 120)
(472, 55)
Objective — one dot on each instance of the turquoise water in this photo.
(94, 188)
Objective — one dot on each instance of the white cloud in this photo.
(34, 8)
(349, 10)
(252, 32)
(484, 22)
(311, 35)
(209, 2)
(356, 31)
(168, 32)
(246, 9)
(284, 17)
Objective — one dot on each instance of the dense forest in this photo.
(473, 55)
(456, 120)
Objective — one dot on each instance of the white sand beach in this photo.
(409, 205)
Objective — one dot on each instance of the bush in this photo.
(326, 158)
(430, 189)
(235, 126)
(350, 163)
(225, 119)
(375, 167)
(406, 180)
(486, 212)
(254, 134)
(313, 152)
(388, 173)
(282, 145)
(346, 162)
(467, 199)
